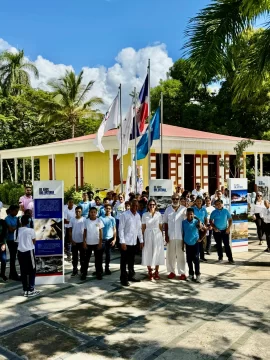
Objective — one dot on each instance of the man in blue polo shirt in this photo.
(109, 236)
(12, 222)
(221, 221)
(85, 204)
(201, 213)
(190, 233)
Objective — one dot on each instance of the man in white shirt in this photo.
(69, 212)
(92, 242)
(198, 191)
(172, 219)
(130, 227)
(76, 232)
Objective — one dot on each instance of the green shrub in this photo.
(10, 193)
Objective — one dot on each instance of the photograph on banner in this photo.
(263, 184)
(238, 196)
(239, 213)
(240, 231)
(161, 190)
(49, 265)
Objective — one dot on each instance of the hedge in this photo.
(10, 193)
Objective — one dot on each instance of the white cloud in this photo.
(129, 69)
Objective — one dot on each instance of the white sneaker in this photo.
(33, 293)
(25, 293)
(198, 279)
(190, 278)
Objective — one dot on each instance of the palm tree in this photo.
(69, 103)
(14, 70)
(216, 28)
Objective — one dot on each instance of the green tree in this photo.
(218, 26)
(69, 104)
(14, 70)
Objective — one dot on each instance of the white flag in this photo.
(126, 131)
(109, 122)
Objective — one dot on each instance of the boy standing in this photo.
(3, 253)
(190, 232)
(76, 232)
(85, 205)
(12, 222)
(92, 241)
(266, 218)
(109, 236)
(69, 212)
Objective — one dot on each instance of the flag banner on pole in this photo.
(138, 134)
(126, 131)
(142, 113)
(142, 147)
(110, 121)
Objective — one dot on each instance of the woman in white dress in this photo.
(153, 250)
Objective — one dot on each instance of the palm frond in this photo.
(31, 67)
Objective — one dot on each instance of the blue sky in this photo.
(92, 32)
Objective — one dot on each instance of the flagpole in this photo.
(135, 140)
(161, 137)
(149, 130)
(121, 143)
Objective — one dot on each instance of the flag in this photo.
(126, 131)
(142, 113)
(142, 147)
(109, 122)
(133, 130)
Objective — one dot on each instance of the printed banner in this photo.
(263, 185)
(48, 226)
(239, 212)
(161, 190)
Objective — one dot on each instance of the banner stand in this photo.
(239, 211)
(49, 226)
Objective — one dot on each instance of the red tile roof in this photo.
(169, 131)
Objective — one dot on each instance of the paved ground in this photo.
(225, 317)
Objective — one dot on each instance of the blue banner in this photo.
(48, 208)
(48, 247)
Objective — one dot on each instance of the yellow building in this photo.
(189, 156)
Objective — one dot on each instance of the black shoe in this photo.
(83, 277)
(74, 273)
(99, 276)
(4, 278)
(203, 260)
(267, 250)
(232, 262)
(125, 283)
(108, 272)
(134, 280)
(208, 252)
(15, 277)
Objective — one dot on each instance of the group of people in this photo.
(96, 227)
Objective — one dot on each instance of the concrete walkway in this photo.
(225, 317)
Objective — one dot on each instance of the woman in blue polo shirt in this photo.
(221, 221)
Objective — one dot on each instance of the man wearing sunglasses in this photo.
(173, 217)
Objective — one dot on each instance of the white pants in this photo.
(175, 254)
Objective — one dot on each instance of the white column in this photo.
(79, 168)
(261, 164)
(1, 165)
(16, 170)
(183, 169)
(222, 168)
(53, 167)
(256, 166)
(32, 170)
(23, 169)
(111, 168)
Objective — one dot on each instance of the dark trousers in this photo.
(106, 247)
(3, 260)
(13, 248)
(98, 259)
(76, 249)
(117, 234)
(260, 226)
(267, 233)
(220, 237)
(27, 263)
(67, 243)
(208, 241)
(193, 254)
(201, 244)
(127, 259)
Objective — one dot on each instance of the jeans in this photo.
(98, 259)
(219, 237)
(127, 259)
(267, 233)
(208, 240)
(193, 254)
(260, 226)
(27, 263)
(106, 247)
(13, 248)
(3, 260)
(77, 248)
